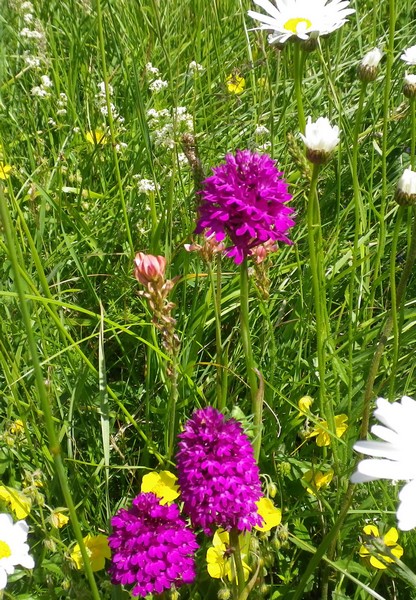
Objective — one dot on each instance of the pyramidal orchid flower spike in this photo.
(302, 19)
(245, 200)
(217, 473)
(152, 548)
(394, 457)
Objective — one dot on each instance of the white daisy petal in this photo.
(395, 457)
(15, 550)
(406, 513)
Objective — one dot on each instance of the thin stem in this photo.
(235, 545)
(257, 407)
(173, 400)
(298, 77)
(54, 446)
(111, 124)
(413, 132)
(216, 295)
(360, 226)
(387, 329)
(384, 142)
(394, 311)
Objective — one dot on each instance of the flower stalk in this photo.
(235, 545)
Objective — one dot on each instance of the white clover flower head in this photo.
(394, 457)
(406, 188)
(157, 85)
(303, 19)
(13, 547)
(409, 55)
(321, 139)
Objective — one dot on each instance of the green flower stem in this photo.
(319, 296)
(256, 402)
(413, 132)
(299, 61)
(235, 545)
(173, 400)
(360, 226)
(384, 149)
(394, 311)
(111, 125)
(216, 295)
(387, 329)
(54, 446)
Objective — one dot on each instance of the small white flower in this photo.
(151, 69)
(33, 34)
(261, 130)
(409, 55)
(46, 82)
(146, 186)
(301, 18)
(31, 61)
(406, 188)
(60, 112)
(157, 85)
(13, 547)
(372, 59)
(28, 18)
(410, 79)
(39, 91)
(321, 139)
(394, 456)
(101, 87)
(26, 7)
(195, 67)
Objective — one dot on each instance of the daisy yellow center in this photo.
(5, 551)
(292, 24)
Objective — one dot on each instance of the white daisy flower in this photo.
(368, 67)
(409, 55)
(394, 456)
(406, 188)
(321, 139)
(301, 18)
(409, 85)
(13, 548)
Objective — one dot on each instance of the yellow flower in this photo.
(235, 84)
(58, 518)
(304, 404)
(323, 437)
(97, 550)
(96, 137)
(17, 427)
(272, 516)
(318, 479)
(5, 171)
(18, 502)
(219, 561)
(389, 540)
(162, 484)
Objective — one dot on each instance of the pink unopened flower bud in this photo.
(149, 268)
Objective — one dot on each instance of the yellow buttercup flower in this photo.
(219, 556)
(58, 518)
(162, 484)
(18, 502)
(389, 540)
(97, 550)
(321, 430)
(96, 137)
(272, 516)
(5, 171)
(318, 479)
(235, 84)
(304, 404)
